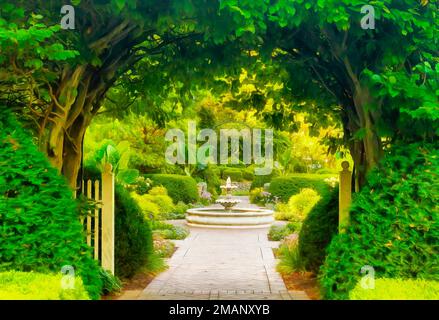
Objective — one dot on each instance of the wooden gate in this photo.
(99, 224)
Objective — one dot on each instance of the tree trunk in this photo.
(362, 113)
(73, 144)
(73, 110)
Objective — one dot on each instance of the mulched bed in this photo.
(137, 283)
(303, 281)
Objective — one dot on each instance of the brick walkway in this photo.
(216, 264)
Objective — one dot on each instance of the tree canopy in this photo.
(382, 83)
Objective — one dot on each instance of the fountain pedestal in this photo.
(237, 218)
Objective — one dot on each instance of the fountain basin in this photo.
(235, 218)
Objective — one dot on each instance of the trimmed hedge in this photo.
(318, 229)
(394, 223)
(180, 188)
(38, 286)
(285, 187)
(260, 181)
(235, 174)
(133, 241)
(41, 229)
(397, 289)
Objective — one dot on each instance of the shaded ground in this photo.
(306, 281)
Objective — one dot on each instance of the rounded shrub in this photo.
(394, 223)
(41, 229)
(260, 181)
(133, 241)
(180, 188)
(211, 176)
(248, 174)
(318, 229)
(285, 187)
(235, 174)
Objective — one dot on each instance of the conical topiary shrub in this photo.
(40, 227)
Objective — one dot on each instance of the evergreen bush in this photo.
(394, 223)
(180, 188)
(133, 241)
(41, 229)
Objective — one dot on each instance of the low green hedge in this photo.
(234, 173)
(180, 188)
(260, 181)
(285, 187)
(318, 229)
(38, 286)
(397, 289)
(133, 241)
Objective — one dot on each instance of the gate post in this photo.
(108, 218)
(344, 199)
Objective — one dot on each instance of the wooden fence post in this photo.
(345, 193)
(108, 218)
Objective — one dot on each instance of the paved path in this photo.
(222, 264)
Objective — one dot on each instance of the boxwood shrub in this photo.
(180, 188)
(318, 229)
(394, 223)
(133, 240)
(260, 181)
(235, 174)
(285, 187)
(397, 289)
(41, 229)
(38, 286)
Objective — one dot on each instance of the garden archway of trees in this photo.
(381, 83)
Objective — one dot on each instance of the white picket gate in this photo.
(99, 224)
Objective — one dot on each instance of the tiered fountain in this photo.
(229, 216)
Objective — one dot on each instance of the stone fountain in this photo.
(228, 202)
(229, 216)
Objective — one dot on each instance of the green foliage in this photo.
(248, 174)
(397, 289)
(394, 223)
(162, 247)
(278, 233)
(180, 188)
(257, 196)
(142, 185)
(260, 181)
(142, 134)
(179, 212)
(298, 206)
(133, 241)
(39, 286)
(290, 260)
(148, 207)
(318, 228)
(116, 155)
(169, 231)
(39, 217)
(212, 178)
(285, 187)
(234, 173)
(111, 283)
